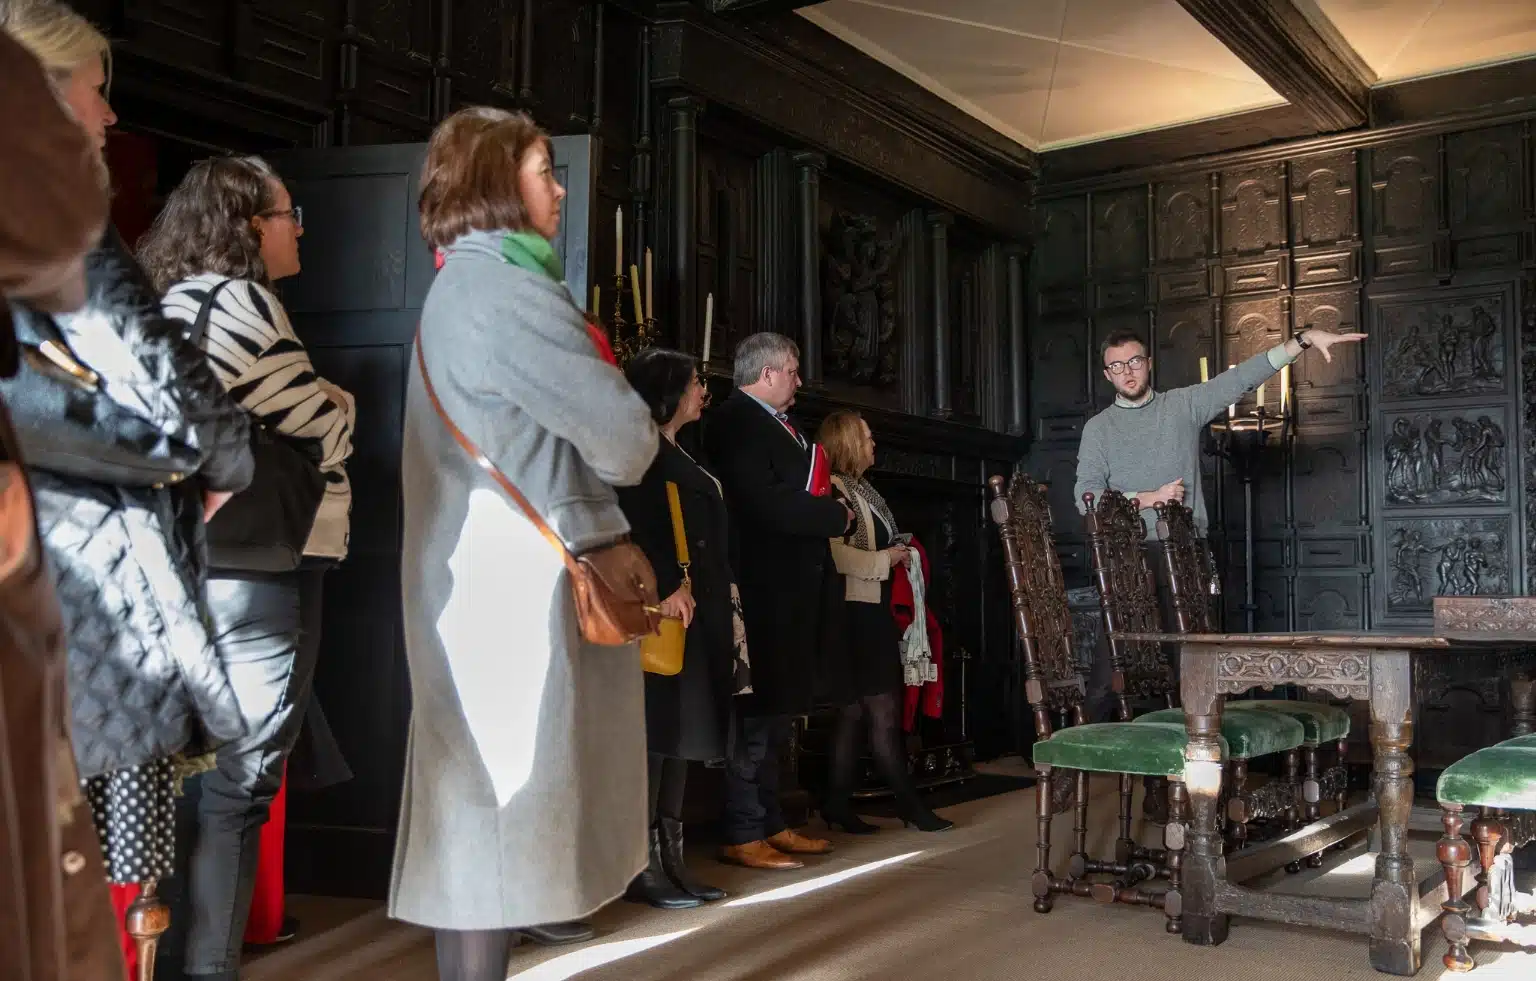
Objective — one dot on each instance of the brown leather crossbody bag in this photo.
(614, 586)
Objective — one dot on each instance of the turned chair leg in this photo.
(1293, 815)
(1342, 801)
(1455, 855)
(1125, 845)
(146, 920)
(1237, 809)
(1041, 880)
(1080, 817)
(1173, 841)
(1313, 796)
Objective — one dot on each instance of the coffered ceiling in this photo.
(1055, 73)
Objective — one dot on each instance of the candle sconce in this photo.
(627, 342)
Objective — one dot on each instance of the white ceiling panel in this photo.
(1159, 31)
(1402, 39)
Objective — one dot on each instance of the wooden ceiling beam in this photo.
(1316, 72)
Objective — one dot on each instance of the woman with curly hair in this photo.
(226, 234)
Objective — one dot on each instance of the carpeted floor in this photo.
(898, 906)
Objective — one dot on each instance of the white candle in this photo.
(650, 306)
(1285, 387)
(634, 284)
(1205, 371)
(1260, 399)
(597, 305)
(709, 323)
(1231, 409)
(618, 242)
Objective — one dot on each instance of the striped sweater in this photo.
(254, 351)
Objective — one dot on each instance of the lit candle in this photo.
(634, 283)
(1260, 399)
(650, 308)
(618, 243)
(1285, 387)
(1205, 371)
(709, 323)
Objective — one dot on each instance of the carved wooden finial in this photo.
(1088, 500)
(996, 482)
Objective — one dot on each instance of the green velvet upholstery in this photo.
(1150, 749)
(1250, 734)
(1499, 776)
(1323, 723)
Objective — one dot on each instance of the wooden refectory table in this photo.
(1373, 666)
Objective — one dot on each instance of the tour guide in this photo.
(1147, 444)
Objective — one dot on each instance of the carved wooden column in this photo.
(938, 230)
(810, 166)
(642, 164)
(685, 195)
(1018, 365)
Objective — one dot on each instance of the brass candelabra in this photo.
(627, 343)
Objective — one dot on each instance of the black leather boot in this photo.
(558, 934)
(655, 887)
(676, 867)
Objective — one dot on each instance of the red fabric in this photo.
(122, 898)
(600, 341)
(266, 918)
(819, 479)
(930, 696)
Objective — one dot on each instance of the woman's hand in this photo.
(679, 605)
(212, 501)
(900, 555)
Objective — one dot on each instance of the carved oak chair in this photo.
(1065, 756)
(1190, 575)
(1497, 780)
(1144, 669)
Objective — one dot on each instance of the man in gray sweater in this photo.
(1147, 445)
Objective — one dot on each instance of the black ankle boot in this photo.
(655, 887)
(676, 867)
(915, 814)
(837, 812)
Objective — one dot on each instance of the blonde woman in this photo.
(870, 659)
(145, 681)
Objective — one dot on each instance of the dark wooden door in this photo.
(356, 305)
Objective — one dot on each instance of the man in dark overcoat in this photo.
(763, 459)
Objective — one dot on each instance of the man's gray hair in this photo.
(764, 350)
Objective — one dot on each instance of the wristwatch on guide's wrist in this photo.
(1301, 339)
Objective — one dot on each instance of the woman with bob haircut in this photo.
(525, 786)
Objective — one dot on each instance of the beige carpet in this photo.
(899, 906)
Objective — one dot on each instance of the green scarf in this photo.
(531, 251)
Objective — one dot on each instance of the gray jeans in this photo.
(268, 637)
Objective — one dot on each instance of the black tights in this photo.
(474, 955)
(883, 713)
(668, 782)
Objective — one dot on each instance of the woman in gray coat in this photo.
(525, 783)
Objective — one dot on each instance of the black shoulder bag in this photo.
(264, 528)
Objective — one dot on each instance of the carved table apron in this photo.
(1376, 667)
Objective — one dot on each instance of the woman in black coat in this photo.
(687, 715)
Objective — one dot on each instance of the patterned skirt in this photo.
(135, 815)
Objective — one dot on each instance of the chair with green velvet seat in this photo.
(1500, 781)
(1143, 670)
(1191, 581)
(1065, 756)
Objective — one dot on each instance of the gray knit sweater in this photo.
(1140, 447)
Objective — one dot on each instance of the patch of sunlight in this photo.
(820, 882)
(586, 958)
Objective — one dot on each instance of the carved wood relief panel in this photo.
(1444, 342)
(1252, 210)
(1329, 478)
(1337, 311)
(1120, 233)
(1249, 326)
(1446, 456)
(1185, 333)
(1062, 254)
(1452, 556)
(1485, 170)
(1329, 603)
(1183, 226)
(1323, 200)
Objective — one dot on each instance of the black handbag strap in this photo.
(200, 325)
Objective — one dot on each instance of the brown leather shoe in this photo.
(794, 843)
(758, 855)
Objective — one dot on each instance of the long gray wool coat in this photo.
(525, 784)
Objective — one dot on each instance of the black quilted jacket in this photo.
(145, 680)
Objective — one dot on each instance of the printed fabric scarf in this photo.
(864, 536)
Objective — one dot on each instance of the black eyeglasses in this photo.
(296, 213)
(1119, 367)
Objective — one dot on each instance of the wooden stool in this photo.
(147, 919)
